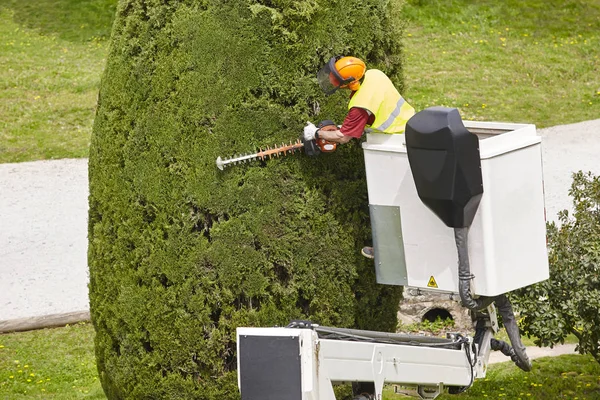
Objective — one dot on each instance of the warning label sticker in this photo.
(432, 282)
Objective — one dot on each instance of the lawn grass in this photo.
(49, 364)
(529, 61)
(63, 367)
(573, 377)
(534, 61)
(52, 53)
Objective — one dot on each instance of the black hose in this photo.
(519, 354)
(510, 324)
(461, 236)
(502, 346)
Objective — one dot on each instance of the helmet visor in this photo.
(328, 78)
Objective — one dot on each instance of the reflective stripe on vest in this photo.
(378, 95)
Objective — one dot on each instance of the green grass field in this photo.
(49, 364)
(529, 61)
(52, 54)
(59, 364)
(520, 61)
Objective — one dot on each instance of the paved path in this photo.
(43, 228)
(43, 238)
(567, 149)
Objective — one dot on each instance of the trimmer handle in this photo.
(324, 145)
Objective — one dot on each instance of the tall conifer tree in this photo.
(181, 253)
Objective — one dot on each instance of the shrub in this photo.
(181, 254)
(569, 301)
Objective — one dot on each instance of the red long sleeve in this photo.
(355, 122)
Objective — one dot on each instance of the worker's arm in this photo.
(353, 127)
(333, 136)
(355, 122)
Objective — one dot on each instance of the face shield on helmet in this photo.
(330, 79)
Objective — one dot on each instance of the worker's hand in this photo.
(309, 131)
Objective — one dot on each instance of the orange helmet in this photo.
(341, 72)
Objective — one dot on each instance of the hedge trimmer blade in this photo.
(269, 152)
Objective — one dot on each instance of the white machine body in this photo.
(295, 364)
(507, 239)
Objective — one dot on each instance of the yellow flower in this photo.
(11, 377)
(32, 374)
(1, 346)
(28, 380)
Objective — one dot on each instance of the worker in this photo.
(375, 105)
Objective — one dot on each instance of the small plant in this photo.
(568, 302)
(437, 327)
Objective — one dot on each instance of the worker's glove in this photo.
(309, 131)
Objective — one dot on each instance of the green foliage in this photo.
(181, 253)
(569, 301)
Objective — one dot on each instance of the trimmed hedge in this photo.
(180, 253)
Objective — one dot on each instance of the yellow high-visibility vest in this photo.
(378, 95)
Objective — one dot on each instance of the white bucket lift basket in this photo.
(507, 239)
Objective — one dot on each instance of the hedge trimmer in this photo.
(311, 148)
